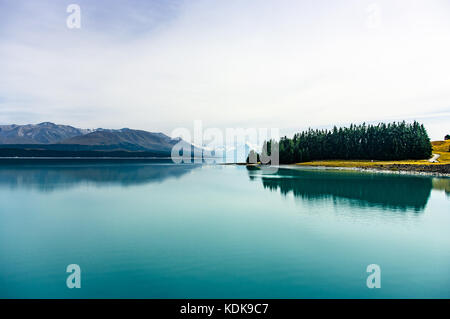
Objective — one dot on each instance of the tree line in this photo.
(392, 141)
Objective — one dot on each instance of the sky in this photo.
(161, 65)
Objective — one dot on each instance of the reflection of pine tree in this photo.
(387, 191)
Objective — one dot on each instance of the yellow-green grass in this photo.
(442, 148)
(439, 147)
(442, 184)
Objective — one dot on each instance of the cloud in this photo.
(287, 64)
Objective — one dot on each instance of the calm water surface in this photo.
(158, 230)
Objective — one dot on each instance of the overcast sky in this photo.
(159, 65)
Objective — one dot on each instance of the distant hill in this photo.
(49, 139)
(441, 146)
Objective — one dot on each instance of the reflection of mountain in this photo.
(390, 191)
(66, 175)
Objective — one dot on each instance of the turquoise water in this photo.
(157, 230)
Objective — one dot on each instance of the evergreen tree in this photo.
(392, 141)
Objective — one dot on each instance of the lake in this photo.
(159, 230)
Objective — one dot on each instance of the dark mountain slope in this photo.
(126, 139)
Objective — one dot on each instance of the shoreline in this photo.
(436, 170)
(402, 169)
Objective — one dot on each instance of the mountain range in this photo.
(42, 133)
(53, 137)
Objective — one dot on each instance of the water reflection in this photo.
(442, 184)
(50, 176)
(365, 189)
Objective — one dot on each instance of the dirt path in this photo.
(434, 158)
